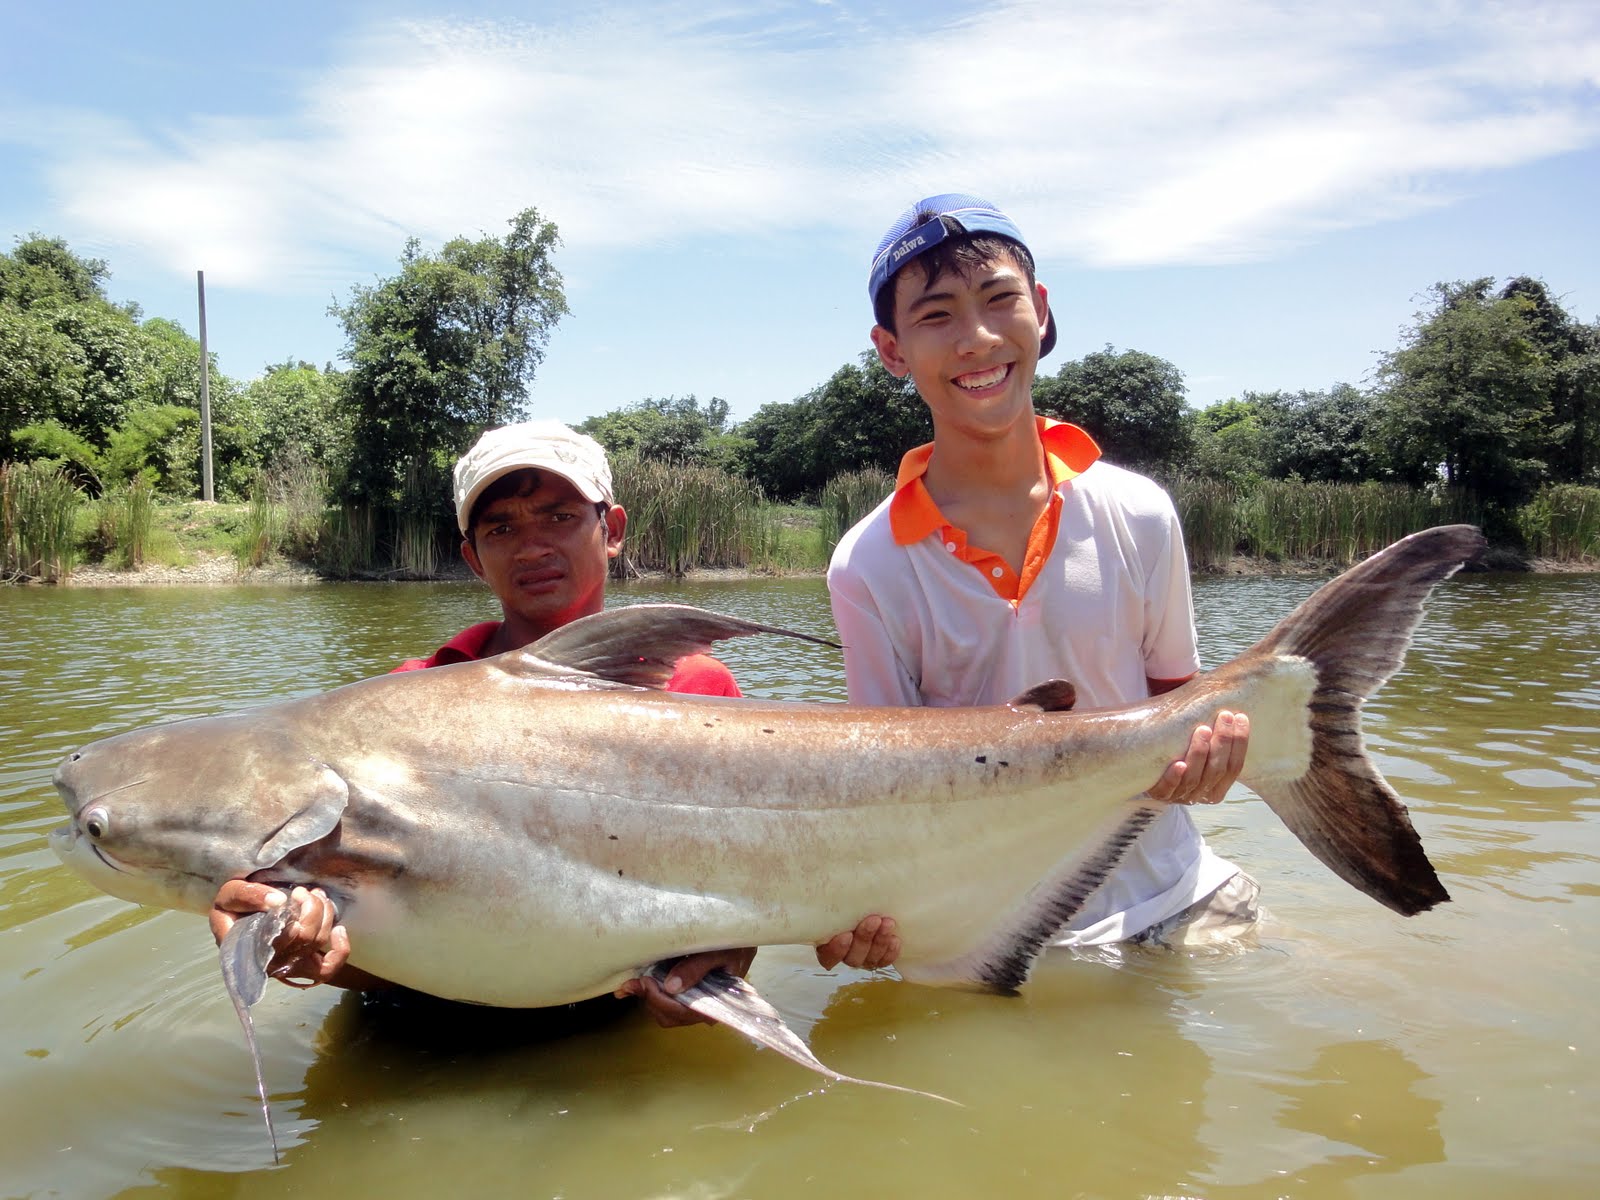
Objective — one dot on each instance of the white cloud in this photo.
(1119, 133)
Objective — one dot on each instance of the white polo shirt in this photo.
(1102, 600)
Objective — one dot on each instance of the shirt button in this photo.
(997, 572)
(950, 546)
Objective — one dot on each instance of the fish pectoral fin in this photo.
(329, 794)
(246, 950)
(1053, 695)
(637, 646)
(729, 1000)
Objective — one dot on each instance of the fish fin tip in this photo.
(1053, 695)
(730, 1000)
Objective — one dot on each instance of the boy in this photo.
(1010, 554)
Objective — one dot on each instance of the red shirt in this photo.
(696, 674)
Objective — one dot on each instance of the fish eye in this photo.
(97, 822)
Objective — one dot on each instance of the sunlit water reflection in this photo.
(1352, 1052)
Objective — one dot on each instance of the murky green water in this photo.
(1353, 1054)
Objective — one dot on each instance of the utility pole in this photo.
(207, 491)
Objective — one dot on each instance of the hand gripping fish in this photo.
(534, 829)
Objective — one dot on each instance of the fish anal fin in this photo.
(1053, 695)
(729, 1000)
(636, 646)
(1004, 957)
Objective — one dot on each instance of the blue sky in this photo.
(1259, 192)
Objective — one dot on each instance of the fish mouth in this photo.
(64, 841)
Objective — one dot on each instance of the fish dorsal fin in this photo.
(1053, 695)
(325, 804)
(636, 646)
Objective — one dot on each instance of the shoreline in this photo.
(221, 571)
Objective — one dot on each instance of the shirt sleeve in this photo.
(702, 675)
(873, 669)
(1170, 645)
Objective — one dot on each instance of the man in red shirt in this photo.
(540, 525)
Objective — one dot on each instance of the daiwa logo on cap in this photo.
(930, 234)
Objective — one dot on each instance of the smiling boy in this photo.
(1011, 553)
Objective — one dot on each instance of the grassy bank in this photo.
(682, 520)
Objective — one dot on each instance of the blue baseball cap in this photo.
(927, 223)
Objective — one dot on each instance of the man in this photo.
(1010, 553)
(540, 525)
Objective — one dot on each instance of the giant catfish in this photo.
(536, 828)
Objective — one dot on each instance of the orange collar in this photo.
(1068, 453)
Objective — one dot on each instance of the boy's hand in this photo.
(1210, 766)
(312, 948)
(686, 972)
(873, 943)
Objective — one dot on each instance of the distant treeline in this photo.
(1487, 407)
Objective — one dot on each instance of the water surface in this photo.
(1353, 1053)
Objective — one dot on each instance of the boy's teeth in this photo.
(982, 379)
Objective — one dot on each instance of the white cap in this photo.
(540, 445)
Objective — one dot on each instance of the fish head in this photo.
(165, 816)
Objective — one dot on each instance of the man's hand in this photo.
(871, 944)
(312, 948)
(1211, 765)
(685, 973)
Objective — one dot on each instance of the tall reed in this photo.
(681, 517)
(846, 499)
(1290, 519)
(125, 518)
(298, 487)
(262, 531)
(38, 515)
(1208, 511)
(415, 548)
(348, 544)
(419, 519)
(1562, 522)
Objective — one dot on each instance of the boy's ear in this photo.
(888, 348)
(616, 522)
(469, 552)
(1041, 305)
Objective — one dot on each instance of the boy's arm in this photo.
(873, 669)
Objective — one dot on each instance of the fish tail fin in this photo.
(1354, 631)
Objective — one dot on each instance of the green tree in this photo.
(1467, 396)
(1228, 441)
(862, 417)
(41, 374)
(1132, 403)
(295, 405)
(675, 429)
(1318, 436)
(444, 350)
(44, 273)
(1572, 350)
